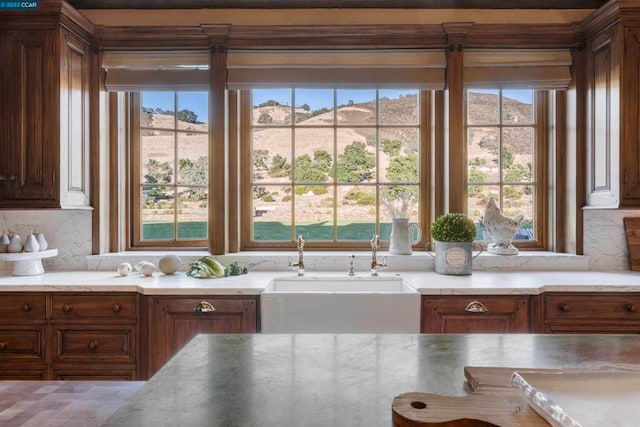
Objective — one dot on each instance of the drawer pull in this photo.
(93, 344)
(25, 307)
(116, 308)
(3, 345)
(476, 307)
(632, 308)
(565, 307)
(204, 307)
(67, 308)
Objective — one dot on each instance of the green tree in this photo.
(475, 176)
(269, 103)
(279, 167)
(518, 173)
(322, 160)
(187, 116)
(356, 164)
(306, 170)
(507, 158)
(403, 168)
(306, 107)
(265, 119)
(260, 157)
(391, 147)
(157, 173)
(191, 173)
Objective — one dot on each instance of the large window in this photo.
(333, 165)
(504, 149)
(170, 156)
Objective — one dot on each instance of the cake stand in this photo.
(28, 263)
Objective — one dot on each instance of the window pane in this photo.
(271, 107)
(314, 155)
(517, 107)
(158, 110)
(158, 210)
(517, 154)
(314, 107)
(398, 107)
(518, 200)
(483, 107)
(192, 213)
(483, 150)
(314, 212)
(193, 111)
(272, 212)
(398, 157)
(193, 161)
(408, 137)
(356, 212)
(478, 197)
(356, 106)
(157, 157)
(272, 155)
(356, 160)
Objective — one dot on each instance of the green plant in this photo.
(453, 227)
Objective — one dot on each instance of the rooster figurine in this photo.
(501, 228)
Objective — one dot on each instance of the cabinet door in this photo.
(630, 118)
(471, 314)
(175, 321)
(29, 114)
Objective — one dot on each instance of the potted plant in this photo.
(453, 234)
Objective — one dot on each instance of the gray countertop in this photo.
(341, 380)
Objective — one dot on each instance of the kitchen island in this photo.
(342, 380)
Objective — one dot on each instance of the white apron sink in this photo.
(340, 304)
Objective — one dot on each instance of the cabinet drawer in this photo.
(23, 306)
(592, 307)
(95, 344)
(103, 374)
(22, 344)
(93, 307)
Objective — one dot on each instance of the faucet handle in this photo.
(300, 243)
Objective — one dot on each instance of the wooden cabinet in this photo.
(471, 314)
(630, 117)
(44, 110)
(174, 321)
(93, 335)
(29, 140)
(23, 336)
(602, 313)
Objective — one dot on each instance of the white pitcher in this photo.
(403, 236)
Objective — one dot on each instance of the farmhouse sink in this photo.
(340, 304)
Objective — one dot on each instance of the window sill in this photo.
(332, 261)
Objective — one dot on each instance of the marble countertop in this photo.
(427, 283)
(342, 380)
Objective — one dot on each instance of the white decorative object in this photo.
(28, 263)
(15, 244)
(403, 236)
(501, 228)
(169, 263)
(31, 245)
(124, 269)
(145, 267)
(42, 241)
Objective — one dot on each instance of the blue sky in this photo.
(315, 98)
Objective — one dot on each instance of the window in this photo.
(170, 140)
(333, 165)
(505, 146)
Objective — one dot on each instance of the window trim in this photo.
(246, 200)
(540, 242)
(134, 240)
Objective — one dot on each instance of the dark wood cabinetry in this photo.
(174, 321)
(44, 110)
(630, 116)
(23, 336)
(588, 313)
(471, 314)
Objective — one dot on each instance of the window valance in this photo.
(518, 68)
(250, 69)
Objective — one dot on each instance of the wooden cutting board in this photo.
(493, 402)
(632, 229)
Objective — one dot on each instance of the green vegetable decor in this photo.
(453, 227)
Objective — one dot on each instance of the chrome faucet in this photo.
(375, 265)
(300, 264)
(352, 269)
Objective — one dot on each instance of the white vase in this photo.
(403, 236)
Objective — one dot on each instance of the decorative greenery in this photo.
(453, 227)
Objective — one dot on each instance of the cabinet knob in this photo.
(67, 308)
(204, 307)
(116, 308)
(632, 308)
(476, 307)
(565, 307)
(12, 177)
(3, 345)
(92, 345)
(2, 177)
(25, 307)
